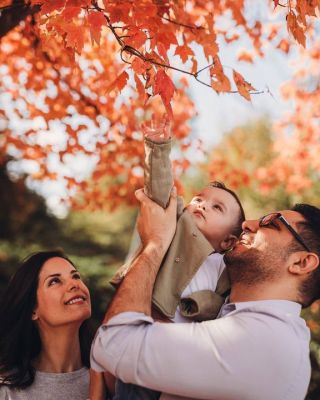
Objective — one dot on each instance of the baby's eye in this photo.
(197, 199)
(217, 207)
(53, 281)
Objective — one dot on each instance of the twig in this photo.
(180, 23)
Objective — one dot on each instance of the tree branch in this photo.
(181, 23)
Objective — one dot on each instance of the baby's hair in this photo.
(238, 227)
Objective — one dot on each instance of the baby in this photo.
(192, 282)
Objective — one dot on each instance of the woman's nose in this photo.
(73, 285)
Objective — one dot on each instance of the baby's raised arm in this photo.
(158, 179)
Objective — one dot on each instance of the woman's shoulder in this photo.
(4, 390)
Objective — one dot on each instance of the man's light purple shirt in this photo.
(255, 351)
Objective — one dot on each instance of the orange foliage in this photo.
(93, 67)
(297, 140)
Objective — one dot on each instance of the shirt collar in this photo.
(283, 306)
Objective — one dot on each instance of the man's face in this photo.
(215, 212)
(261, 253)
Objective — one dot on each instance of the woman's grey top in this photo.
(51, 386)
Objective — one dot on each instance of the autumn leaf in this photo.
(220, 82)
(139, 87)
(75, 37)
(138, 66)
(163, 52)
(119, 83)
(96, 21)
(70, 12)
(137, 38)
(184, 52)
(296, 30)
(164, 86)
(243, 86)
(50, 6)
(245, 56)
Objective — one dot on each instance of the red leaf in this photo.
(50, 6)
(96, 21)
(138, 66)
(139, 86)
(164, 86)
(71, 12)
(163, 52)
(184, 52)
(242, 85)
(137, 38)
(119, 83)
(75, 37)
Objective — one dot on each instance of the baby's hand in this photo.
(157, 130)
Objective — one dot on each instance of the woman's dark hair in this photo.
(20, 342)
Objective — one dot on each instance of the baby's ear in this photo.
(228, 242)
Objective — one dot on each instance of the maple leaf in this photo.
(296, 29)
(139, 66)
(49, 6)
(139, 86)
(137, 38)
(245, 56)
(75, 37)
(243, 86)
(184, 52)
(70, 12)
(163, 52)
(220, 82)
(96, 21)
(166, 38)
(164, 86)
(119, 83)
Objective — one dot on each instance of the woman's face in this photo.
(62, 297)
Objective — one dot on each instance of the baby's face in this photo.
(215, 212)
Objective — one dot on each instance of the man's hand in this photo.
(157, 225)
(157, 130)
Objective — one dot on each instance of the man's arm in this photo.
(248, 355)
(156, 227)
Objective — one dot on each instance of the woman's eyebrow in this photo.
(52, 276)
(58, 274)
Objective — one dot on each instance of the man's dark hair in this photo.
(310, 232)
(241, 217)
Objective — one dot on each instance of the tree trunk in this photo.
(12, 15)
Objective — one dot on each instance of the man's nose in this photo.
(250, 225)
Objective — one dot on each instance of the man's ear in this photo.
(228, 242)
(301, 263)
(34, 316)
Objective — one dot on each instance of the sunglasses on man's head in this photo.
(269, 220)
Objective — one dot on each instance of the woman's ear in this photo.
(301, 263)
(228, 242)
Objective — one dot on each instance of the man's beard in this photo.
(252, 266)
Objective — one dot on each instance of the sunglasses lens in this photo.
(268, 219)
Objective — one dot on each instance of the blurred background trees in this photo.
(77, 78)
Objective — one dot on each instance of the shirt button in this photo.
(194, 234)
(177, 259)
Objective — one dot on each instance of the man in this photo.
(259, 347)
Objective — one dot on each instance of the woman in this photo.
(44, 339)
